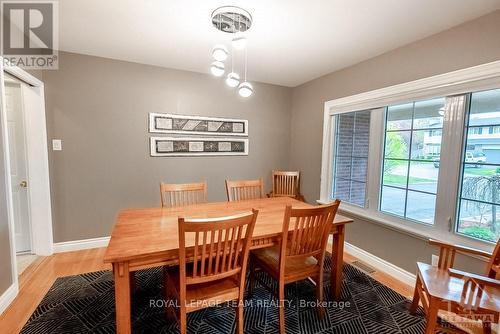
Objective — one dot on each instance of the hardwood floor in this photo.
(39, 277)
(24, 261)
(387, 280)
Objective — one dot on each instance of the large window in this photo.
(411, 159)
(479, 202)
(421, 157)
(352, 136)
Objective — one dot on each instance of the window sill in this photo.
(413, 229)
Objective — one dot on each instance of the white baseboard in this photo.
(381, 264)
(69, 246)
(7, 297)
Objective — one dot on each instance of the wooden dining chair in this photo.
(181, 194)
(301, 252)
(244, 190)
(436, 287)
(213, 270)
(286, 184)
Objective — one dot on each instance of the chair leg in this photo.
(183, 320)
(319, 296)
(239, 318)
(251, 279)
(487, 327)
(169, 312)
(431, 316)
(281, 296)
(416, 297)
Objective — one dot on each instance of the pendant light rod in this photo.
(246, 63)
(232, 58)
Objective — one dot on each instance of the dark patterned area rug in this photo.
(85, 304)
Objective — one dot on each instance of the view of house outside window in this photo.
(411, 159)
(479, 202)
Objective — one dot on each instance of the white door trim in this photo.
(38, 174)
(11, 292)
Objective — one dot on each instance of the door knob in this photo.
(23, 184)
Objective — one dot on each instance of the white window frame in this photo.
(461, 82)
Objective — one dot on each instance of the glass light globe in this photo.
(245, 89)
(220, 52)
(233, 79)
(239, 42)
(217, 68)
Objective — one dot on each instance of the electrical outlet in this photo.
(435, 260)
(56, 144)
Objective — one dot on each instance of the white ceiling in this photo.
(290, 42)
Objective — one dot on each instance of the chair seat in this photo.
(295, 268)
(439, 284)
(208, 294)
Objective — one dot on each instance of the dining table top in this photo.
(143, 232)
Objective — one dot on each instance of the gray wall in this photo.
(5, 263)
(473, 43)
(99, 108)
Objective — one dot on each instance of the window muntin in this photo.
(411, 159)
(479, 199)
(350, 157)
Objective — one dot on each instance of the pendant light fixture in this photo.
(245, 89)
(220, 52)
(217, 68)
(236, 21)
(233, 79)
(239, 42)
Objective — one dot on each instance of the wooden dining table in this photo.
(146, 238)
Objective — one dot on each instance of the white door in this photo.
(18, 166)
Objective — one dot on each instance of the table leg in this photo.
(337, 262)
(432, 315)
(122, 298)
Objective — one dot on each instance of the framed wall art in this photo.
(197, 146)
(197, 125)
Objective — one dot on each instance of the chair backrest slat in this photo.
(174, 195)
(203, 245)
(309, 231)
(244, 190)
(472, 293)
(195, 256)
(286, 183)
(220, 249)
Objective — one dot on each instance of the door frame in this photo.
(40, 207)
